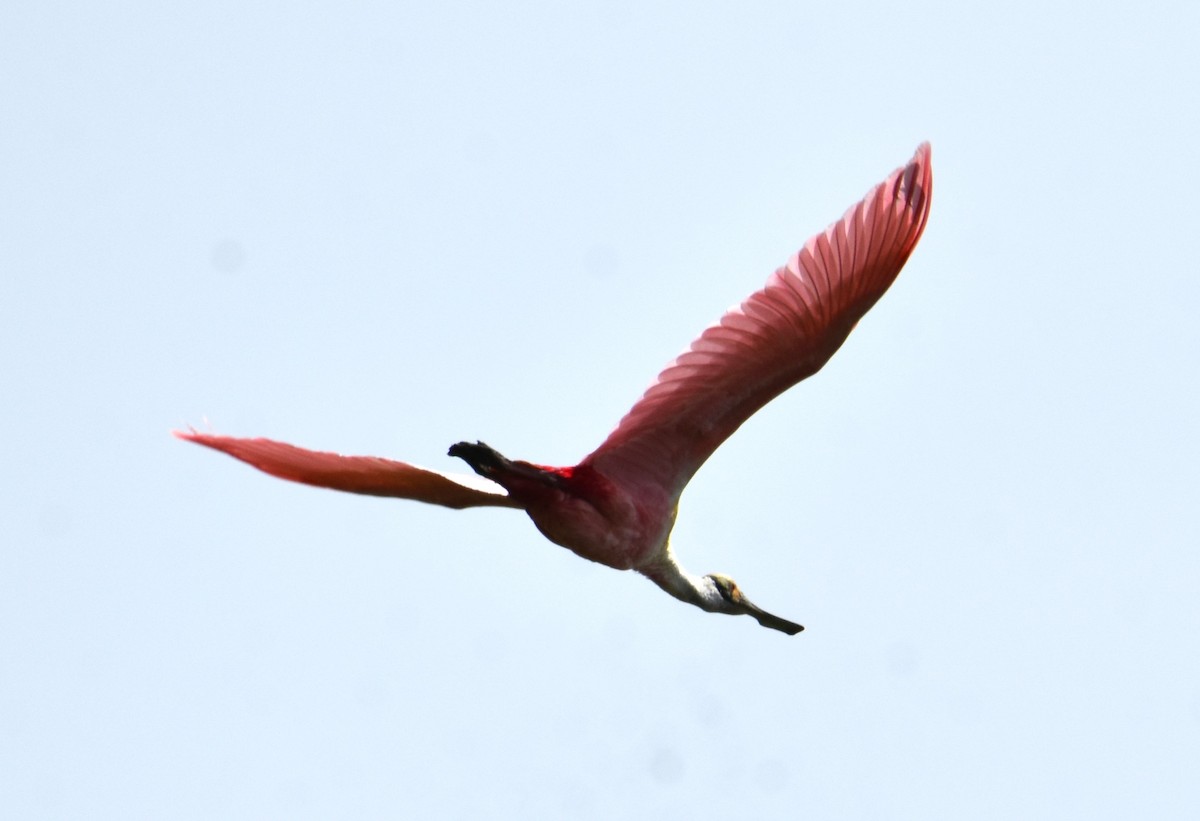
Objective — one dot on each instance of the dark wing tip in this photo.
(914, 186)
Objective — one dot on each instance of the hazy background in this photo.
(385, 227)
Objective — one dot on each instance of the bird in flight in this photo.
(618, 505)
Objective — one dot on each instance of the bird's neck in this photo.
(673, 578)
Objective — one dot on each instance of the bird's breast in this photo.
(579, 527)
(602, 522)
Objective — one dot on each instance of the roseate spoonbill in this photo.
(618, 505)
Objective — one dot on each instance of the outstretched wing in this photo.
(369, 475)
(777, 337)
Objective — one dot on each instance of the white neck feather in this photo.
(673, 578)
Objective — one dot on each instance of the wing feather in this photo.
(368, 475)
(779, 335)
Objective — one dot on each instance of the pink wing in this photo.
(369, 475)
(777, 337)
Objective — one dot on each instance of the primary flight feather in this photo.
(618, 505)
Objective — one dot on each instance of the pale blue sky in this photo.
(382, 228)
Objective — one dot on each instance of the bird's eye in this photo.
(725, 587)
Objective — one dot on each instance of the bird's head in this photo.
(727, 597)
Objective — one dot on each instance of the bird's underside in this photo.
(617, 506)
